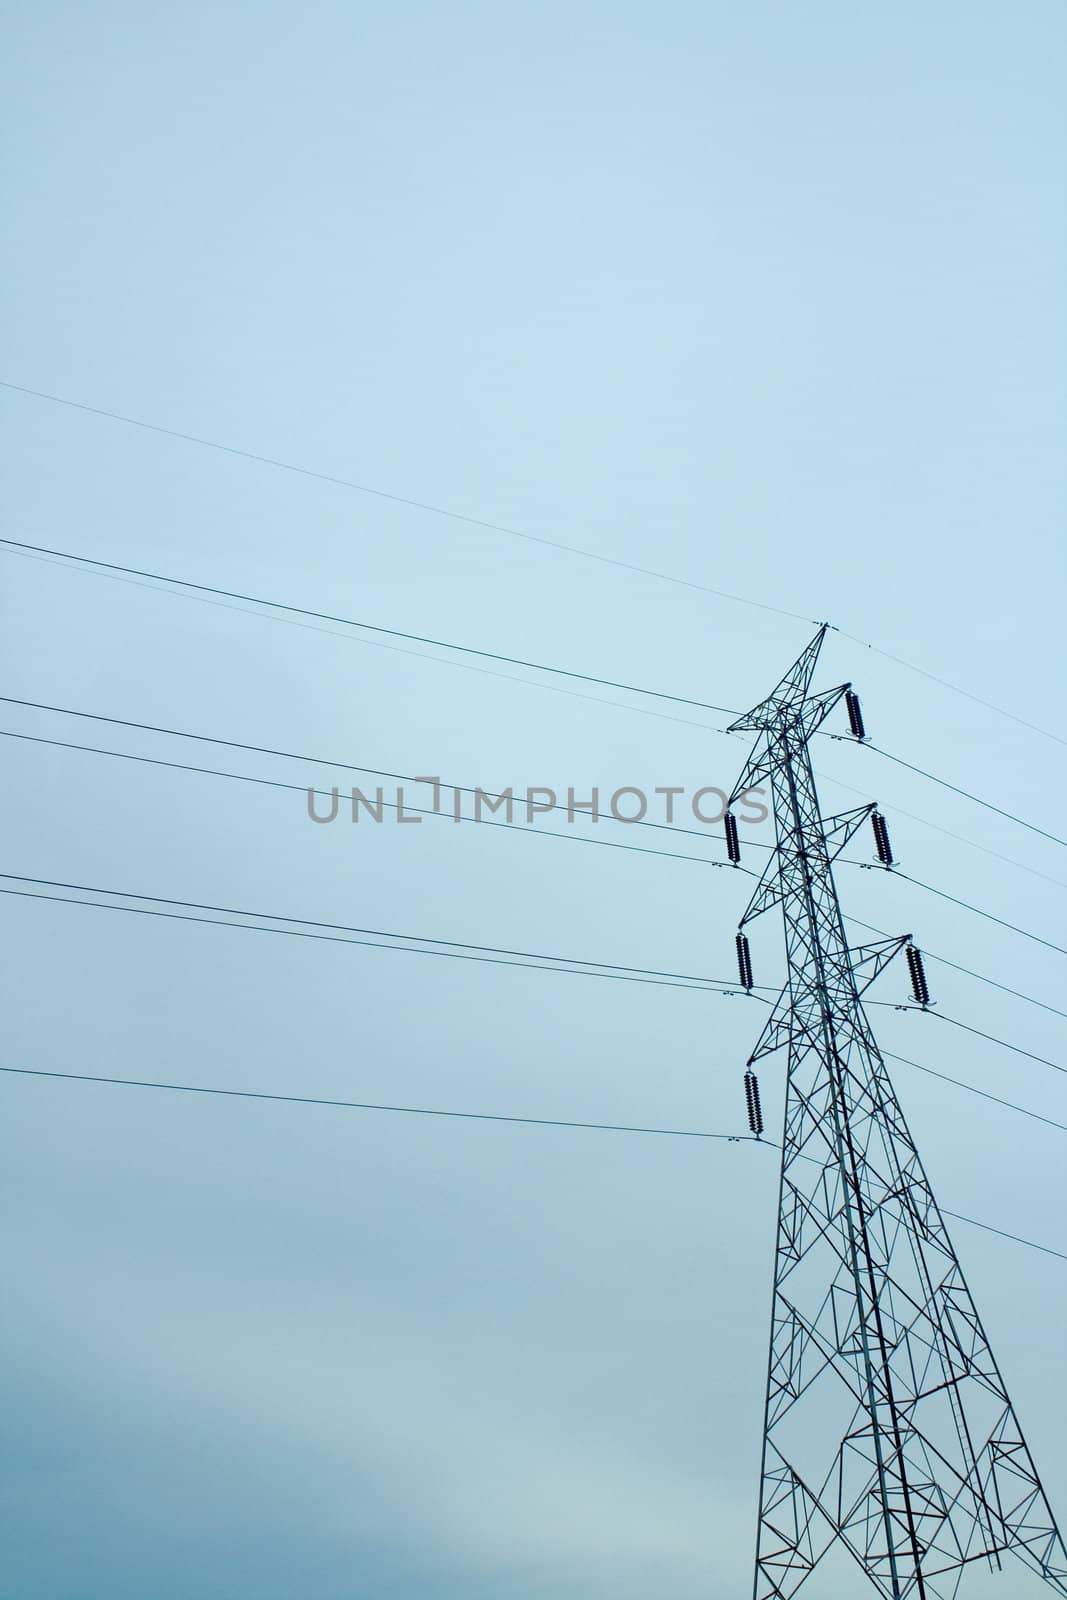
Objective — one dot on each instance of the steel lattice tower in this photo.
(888, 1429)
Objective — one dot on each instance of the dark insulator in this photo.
(919, 987)
(881, 839)
(744, 961)
(855, 715)
(752, 1101)
(733, 843)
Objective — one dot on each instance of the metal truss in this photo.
(888, 1429)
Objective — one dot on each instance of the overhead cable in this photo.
(474, 1116)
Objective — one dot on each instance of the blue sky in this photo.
(767, 299)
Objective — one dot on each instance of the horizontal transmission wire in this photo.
(516, 533)
(201, 589)
(372, 644)
(574, 970)
(945, 683)
(277, 605)
(966, 793)
(937, 827)
(981, 977)
(474, 1116)
(971, 1088)
(550, 833)
(993, 1039)
(574, 966)
(369, 627)
(403, 500)
(366, 1105)
(290, 755)
(391, 805)
(325, 761)
(1015, 1238)
(345, 927)
(576, 694)
(966, 905)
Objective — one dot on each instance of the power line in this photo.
(275, 783)
(981, 977)
(347, 766)
(550, 688)
(375, 644)
(377, 938)
(425, 811)
(344, 766)
(365, 1105)
(1016, 1238)
(517, 533)
(943, 894)
(403, 500)
(551, 833)
(967, 795)
(937, 827)
(623, 974)
(474, 1116)
(319, 761)
(932, 677)
(1016, 1049)
(344, 927)
(200, 590)
(369, 627)
(540, 964)
(971, 1088)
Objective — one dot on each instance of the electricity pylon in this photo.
(888, 1430)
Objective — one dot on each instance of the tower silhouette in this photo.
(888, 1430)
